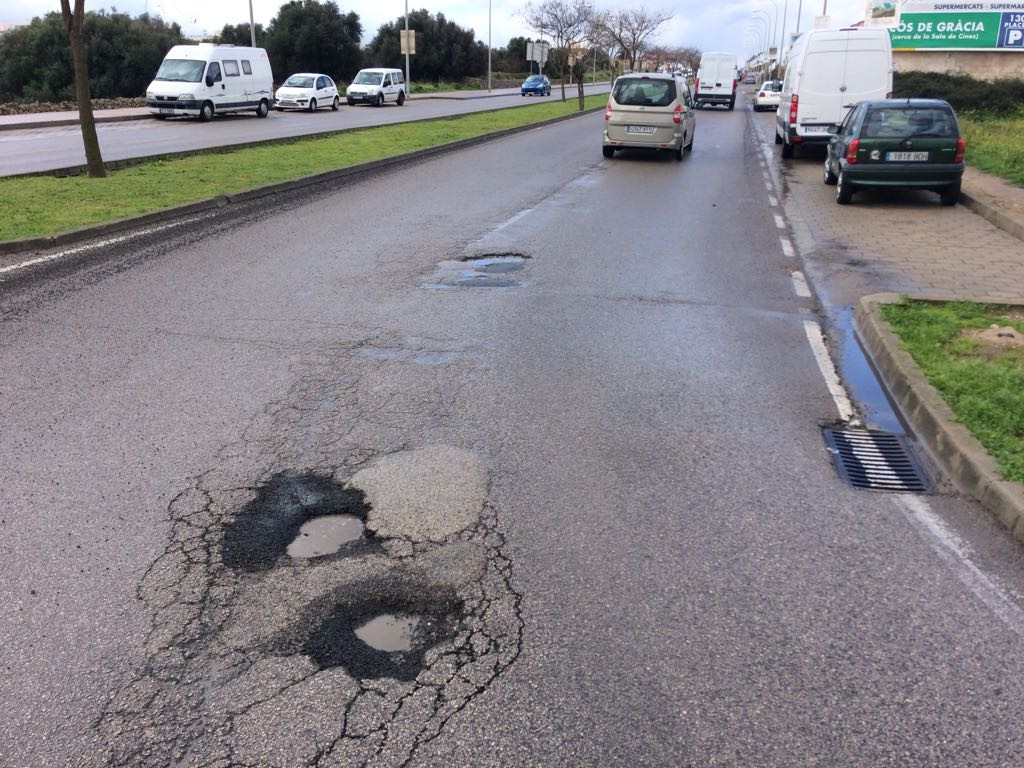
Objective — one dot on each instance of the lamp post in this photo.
(408, 83)
(252, 26)
(767, 34)
(782, 37)
(775, 33)
(488, 45)
(799, 10)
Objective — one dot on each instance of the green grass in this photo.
(44, 205)
(996, 145)
(983, 387)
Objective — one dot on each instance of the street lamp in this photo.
(488, 45)
(252, 26)
(775, 33)
(767, 32)
(408, 84)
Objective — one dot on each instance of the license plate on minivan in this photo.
(906, 156)
(645, 129)
(166, 111)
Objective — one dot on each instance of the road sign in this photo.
(411, 47)
(538, 51)
(926, 25)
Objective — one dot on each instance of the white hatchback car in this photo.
(307, 90)
(768, 95)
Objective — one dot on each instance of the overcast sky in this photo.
(708, 25)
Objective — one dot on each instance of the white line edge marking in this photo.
(951, 549)
(772, 201)
(800, 285)
(828, 370)
(787, 248)
(779, 222)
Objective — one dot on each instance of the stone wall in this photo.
(983, 65)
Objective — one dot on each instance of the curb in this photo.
(8, 247)
(966, 461)
(61, 122)
(997, 216)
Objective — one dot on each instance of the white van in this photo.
(376, 86)
(204, 79)
(716, 80)
(827, 72)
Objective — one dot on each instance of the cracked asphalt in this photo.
(597, 480)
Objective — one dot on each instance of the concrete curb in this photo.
(86, 233)
(62, 122)
(1000, 217)
(970, 466)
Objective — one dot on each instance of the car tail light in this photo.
(734, 86)
(761, 95)
(960, 148)
(851, 151)
(792, 108)
(608, 111)
(677, 114)
(696, 85)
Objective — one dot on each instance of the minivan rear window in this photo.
(909, 122)
(644, 92)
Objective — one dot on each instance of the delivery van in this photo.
(716, 80)
(203, 80)
(827, 72)
(376, 86)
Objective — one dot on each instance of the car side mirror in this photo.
(209, 81)
(833, 128)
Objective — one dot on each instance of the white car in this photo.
(307, 90)
(768, 96)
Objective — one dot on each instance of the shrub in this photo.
(965, 93)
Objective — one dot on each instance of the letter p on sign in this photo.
(1015, 37)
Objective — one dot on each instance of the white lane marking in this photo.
(780, 222)
(773, 201)
(787, 247)
(828, 370)
(511, 220)
(800, 285)
(951, 549)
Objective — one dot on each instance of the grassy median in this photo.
(978, 369)
(44, 205)
(996, 144)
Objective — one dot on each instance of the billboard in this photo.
(915, 25)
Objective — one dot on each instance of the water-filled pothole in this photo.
(266, 528)
(325, 535)
(482, 271)
(389, 632)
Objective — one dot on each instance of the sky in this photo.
(709, 26)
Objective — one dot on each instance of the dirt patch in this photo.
(998, 341)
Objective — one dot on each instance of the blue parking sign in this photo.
(1011, 31)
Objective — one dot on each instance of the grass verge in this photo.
(44, 205)
(996, 145)
(982, 383)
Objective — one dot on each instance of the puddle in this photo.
(483, 281)
(389, 632)
(325, 535)
(482, 271)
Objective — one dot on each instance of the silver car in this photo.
(649, 111)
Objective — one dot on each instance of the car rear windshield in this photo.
(299, 82)
(771, 85)
(643, 92)
(909, 122)
(183, 70)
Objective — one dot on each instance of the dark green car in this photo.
(897, 143)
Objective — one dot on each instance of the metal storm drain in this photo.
(875, 461)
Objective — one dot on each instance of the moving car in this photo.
(905, 143)
(649, 111)
(768, 95)
(377, 86)
(827, 72)
(538, 84)
(307, 90)
(206, 79)
(749, 80)
(716, 80)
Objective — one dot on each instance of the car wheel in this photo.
(787, 149)
(336, 103)
(524, 94)
(951, 194)
(547, 92)
(380, 100)
(679, 155)
(608, 151)
(160, 117)
(279, 109)
(351, 102)
(732, 104)
(312, 105)
(263, 109)
(401, 98)
(206, 112)
(830, 178)
(844, 192)
(689, 147)
(778, 139)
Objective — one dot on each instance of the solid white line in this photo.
(787, 248)
(800, 285)
(780, 222)
(828, 370)
(951, 549)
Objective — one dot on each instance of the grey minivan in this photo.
(649, 111)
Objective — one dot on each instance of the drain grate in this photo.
(875, 461)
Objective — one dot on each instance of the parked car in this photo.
(749, 80)
(538, 84)
(716, 80)
(307, 90)
(377, 86)
(768, 95)
(649, 111)
(905, 143)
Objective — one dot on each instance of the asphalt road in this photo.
(590, 466)
(43, 149)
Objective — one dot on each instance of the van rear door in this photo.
(868, 73)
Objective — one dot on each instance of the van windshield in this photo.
(367, 78)
(185, 70)
(644, 92)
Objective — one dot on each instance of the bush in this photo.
(965, 93)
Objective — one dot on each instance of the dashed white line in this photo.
(828, 370)
(800, 285)
(773, 201)
(787, 247)
(780, 222)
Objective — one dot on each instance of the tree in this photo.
(310, 36)
(73, 26)
(632, 28)
(238, 34)
(444, 50)
(566, 22)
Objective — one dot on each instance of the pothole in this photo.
(496, 255)
(325, 536)
(482, 271)
(389, 632)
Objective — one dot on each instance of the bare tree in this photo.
(631, 28)
(566, 22)
(73, 26)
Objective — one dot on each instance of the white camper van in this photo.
(205, 79)
(827, 72)
(716, 80)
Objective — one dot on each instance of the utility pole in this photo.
(252, 26)
(408, 83)
(488, 45)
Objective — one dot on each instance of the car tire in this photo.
(351, 102)
(830, 178)
(336, 103)
(523, 95)
(206, 112)
(279, 109)
(312, 105)
(951, 194)
(547, 92)
(263, 109)
(787, 149)
(732, 104)
(679, 155)
(401, 98)
(844, 192)
(608, 151)
(380, 100)
(689, 147)
(778, 139)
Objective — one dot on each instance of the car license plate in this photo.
(906, 156)
(166, 111)
(646, 129)
(815, 128)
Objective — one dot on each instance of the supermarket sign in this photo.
(951, 25)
